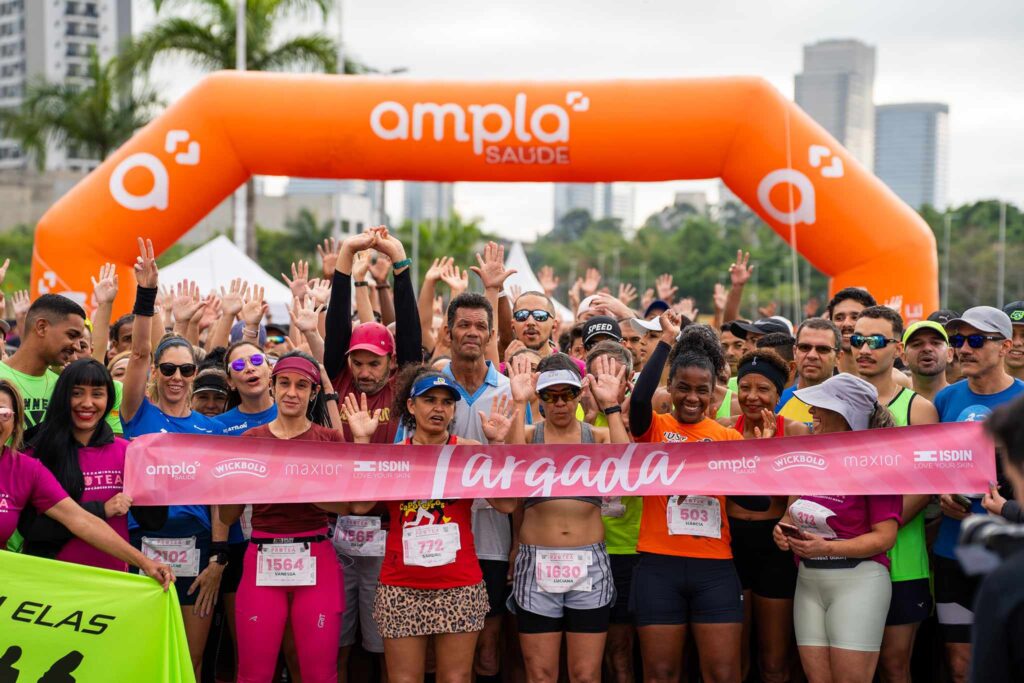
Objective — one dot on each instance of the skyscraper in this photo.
(836, 88)
(427, 201)
(600, 200)
(53, 40)
(912, 151)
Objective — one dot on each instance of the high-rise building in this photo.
(912, 151)
(52, 40)
(355, 204)
(423, 201)
(600, 200)
(836, 88)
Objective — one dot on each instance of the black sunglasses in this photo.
(539, 314)
(975, 341)
(567, 396)
(168, 369)
(874, 341)
(822, 350)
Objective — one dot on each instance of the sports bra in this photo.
(587, 436)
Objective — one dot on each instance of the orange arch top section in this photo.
(233, 125)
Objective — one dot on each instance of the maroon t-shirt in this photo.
(291, 519)
(383, 399)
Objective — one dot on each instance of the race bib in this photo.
(180, 554)
(612, 506)
(812, 517)
(360, 536)
(431, 545)
(561, 571)
(285, 564)
(694, 516)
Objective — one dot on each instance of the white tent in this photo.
(526, 280)
(219, 261)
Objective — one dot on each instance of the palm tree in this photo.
(90, 121)
(208, 41)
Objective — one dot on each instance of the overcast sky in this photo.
(968, 54)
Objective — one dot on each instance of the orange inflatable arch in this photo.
(233, 125)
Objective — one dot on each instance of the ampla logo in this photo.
(484, 124)
(947, 458)
(799, 459)
(736, 465)
(245, 466)
(181, 471)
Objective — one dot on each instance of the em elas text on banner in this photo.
(66, 622)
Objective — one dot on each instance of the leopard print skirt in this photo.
(402, 612)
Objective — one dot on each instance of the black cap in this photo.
(943, 316)
(601, 325)
(211, 381)
(658, 306)
(740, 328)
(1015, 310)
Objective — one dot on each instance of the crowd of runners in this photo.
(825, 588)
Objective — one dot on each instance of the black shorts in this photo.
(571, 621)
(497, 584)
(685, 590)
(623, 567)
(232, 576)
(763, 568)
(911, 602)
(954, 600)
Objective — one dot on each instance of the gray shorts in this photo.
(361, 576)
(842, 608)
(585, 586)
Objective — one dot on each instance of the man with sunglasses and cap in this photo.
(1014, 361)
(875, 344)
(927, 353)
(982, 336)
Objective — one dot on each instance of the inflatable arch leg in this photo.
(233, 125)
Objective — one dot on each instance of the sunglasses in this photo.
(556, 396)
(254, 360)
(6, 414)
(168, 369)
(874, 341)
(975, 341)
(822, 350)
(275, 339)
(538, 314)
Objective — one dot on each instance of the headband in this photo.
(168, 343)
(759, 366)
(299, 366)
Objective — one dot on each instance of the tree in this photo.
(454, 237)
(208, 42)
(277, 250)
(90, 121)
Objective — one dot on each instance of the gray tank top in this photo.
(586, 437)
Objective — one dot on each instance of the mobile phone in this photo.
(790, 530)
(962, 500)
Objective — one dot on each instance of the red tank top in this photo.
(464, 571)
(780, 425)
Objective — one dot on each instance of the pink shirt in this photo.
(845, 517)
(103, 470)
(24, 481)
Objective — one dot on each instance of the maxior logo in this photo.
(495, 131)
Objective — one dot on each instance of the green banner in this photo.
(69, 623)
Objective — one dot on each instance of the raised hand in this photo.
(328, 256)
(686, 309)
(670, 324)
(769, 310)
(210, 312)
(360, 266)
(305, 314)
(491, 266)
(606, 381)
(186, 300)
(523, 379)
(497, 425)
(576, 293)
(361, 241)
(165, 298)
(719, 297)
(647, 299)
(591, 280)
(740, 271)
(663, 285)
(380, 266)
(548, 280)
(766, 431)
(436, 269)
(146, 272)
(627, 293)
(22, 302)
(390, 246)
(456, 279)
(104, 289)
(231, 299)
(361, 422)
(254, 307)
(320, 290)
(299, 281)
(3, 270)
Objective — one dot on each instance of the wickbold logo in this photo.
(799, 459)
(484, 124)
(735, 465)
(943, 459)
(244, 466)
(181, 471)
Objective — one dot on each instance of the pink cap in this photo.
(372, 337)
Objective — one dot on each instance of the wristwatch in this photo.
(331, 397)
(220, 558)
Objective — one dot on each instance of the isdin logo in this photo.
(486, 125)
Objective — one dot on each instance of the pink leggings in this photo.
(261, 613)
